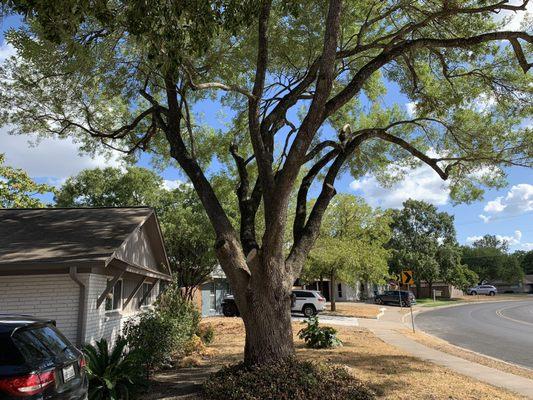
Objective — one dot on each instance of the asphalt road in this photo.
(502, 330)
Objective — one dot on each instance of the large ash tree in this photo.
(305, 82)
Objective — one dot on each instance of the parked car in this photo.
(393, 297)
(307, 302)
(38, 362)
(488, 290)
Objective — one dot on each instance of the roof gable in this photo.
(60, 235)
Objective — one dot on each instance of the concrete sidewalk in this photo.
(387, 330)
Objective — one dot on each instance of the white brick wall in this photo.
(56, 297)
(45, 296)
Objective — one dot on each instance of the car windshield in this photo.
(42, 343)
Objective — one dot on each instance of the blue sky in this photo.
(507, 212)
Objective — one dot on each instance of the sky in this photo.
(507, 213)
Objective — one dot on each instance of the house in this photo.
(90, 269)
(209, 299)
(528, 283)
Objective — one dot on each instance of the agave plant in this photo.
(113, 374)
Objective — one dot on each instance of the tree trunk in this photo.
(332, 285)
(268, 326)
(264, 301)
(430, 287)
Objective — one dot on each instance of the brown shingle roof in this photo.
(56, 235)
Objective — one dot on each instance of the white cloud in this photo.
(52, 159)
(514, 240)
(421, 183)
(411, 108)
(6, 51)
(527, 246)
(484, 218)
(172, 184)
(517, 201)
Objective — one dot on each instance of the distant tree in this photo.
(491, 241)
(111, 187)
(527, 262)
(186, 229)
(17, 189)
(489, 259)
(452, 270)
(423, 240)
(350, 245)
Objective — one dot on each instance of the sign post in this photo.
(407, 278)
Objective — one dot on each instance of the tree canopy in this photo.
(111, 187)
(489, 258)
(423, 241)
(17, 189)
(350, 247)
(305, 83)
(184, 223)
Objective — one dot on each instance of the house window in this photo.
(145, 293)
(114, 299)
(339, 289)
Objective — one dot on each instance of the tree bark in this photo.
(332, 284)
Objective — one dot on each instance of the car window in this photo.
(41, 343)
(300, 294)
(9, 354)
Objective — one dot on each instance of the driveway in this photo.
(502, 330)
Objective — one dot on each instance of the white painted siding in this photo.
(44, 296)
(109, 324)
(138, 250)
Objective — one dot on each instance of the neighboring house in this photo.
(209, 298)
(442, 290)
(528, 283)
(525, 286)
(90, 269)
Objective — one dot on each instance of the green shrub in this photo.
(287, 380)
(172, 305)
(318, 337)
(164, 334)
(153, 339)
(206, 332)
(112, 374)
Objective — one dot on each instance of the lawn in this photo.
(391, 373)
(428, 302)
(358, 310)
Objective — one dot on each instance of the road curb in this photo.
(474, 352)
(465, 303)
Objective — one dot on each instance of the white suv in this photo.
(488, 290)
(308, 302)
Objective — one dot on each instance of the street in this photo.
(502, 330)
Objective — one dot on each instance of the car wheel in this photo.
(492, 293)
(379, 301)
(308, 310)
(474, 292)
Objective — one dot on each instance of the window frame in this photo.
(113, 297)
(148, 285)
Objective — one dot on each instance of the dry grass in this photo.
(358, 310)
(392, 373)
(442, 345)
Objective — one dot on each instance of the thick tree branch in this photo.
(247, 206)
(262, 150)
(357, 82)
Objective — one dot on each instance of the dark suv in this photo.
(38, 362)
(393, 297)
